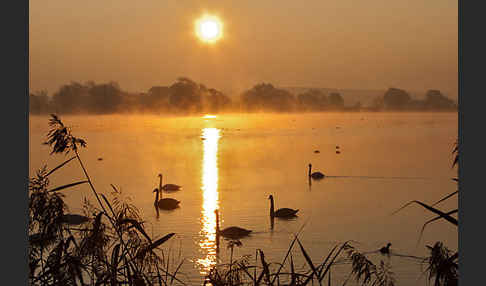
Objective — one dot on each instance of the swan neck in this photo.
(310, 170)
(160, 182)
(156, 197)
(272, 211)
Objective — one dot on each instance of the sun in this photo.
(209, 28)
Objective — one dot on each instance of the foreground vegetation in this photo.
(241, 272)
(108, 243)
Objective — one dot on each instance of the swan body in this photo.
(167, 203)
(386, 249)
(171, 187)
(233, 232)
(315, 175)
(283, 212)
(168, 187)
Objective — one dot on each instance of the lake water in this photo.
(234, 162)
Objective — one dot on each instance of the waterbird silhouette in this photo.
(315, 175)
(167, 203)
(232, 232)
(386, 249)
(170, 187)
(282, 212)
(157, 214)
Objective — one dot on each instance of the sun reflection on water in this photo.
(207, 242)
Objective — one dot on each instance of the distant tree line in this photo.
(398, 99)
(187, 96)
(266, 97)
(184, 96)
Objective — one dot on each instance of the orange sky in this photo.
(373, 44)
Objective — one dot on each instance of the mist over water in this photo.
(234, 161)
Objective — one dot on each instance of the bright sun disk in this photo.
(209, 28)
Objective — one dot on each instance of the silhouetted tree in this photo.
(104, 98)
(265, 96)
(215, 100)
(395, 98)
(157, 98)
(313, 100)
(70, 98)
(185, 95)
(434, 99)
(336, 100)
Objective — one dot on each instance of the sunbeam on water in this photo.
(209, 188)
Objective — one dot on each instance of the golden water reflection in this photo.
(207, 242)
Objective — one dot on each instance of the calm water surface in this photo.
(234, 162)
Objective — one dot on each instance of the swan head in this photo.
(388, 244)
(155, 190)
(159, 175)
(310, 165)
(270, 197)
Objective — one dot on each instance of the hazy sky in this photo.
(363, 44)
